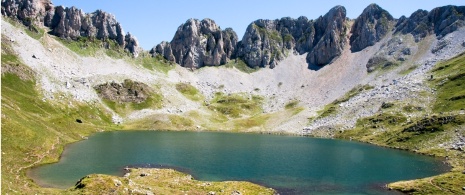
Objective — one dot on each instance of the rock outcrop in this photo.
(199, 43)
(128, 91)
(439, 21)
(27, 11)
(70, 23)
(164, 49)
(330, 37)
(262, 44)
(266, 42)
(370, 27)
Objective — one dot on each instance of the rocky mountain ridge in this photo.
(267, 42)
(70, 22)
(199, 43)
(344, 96)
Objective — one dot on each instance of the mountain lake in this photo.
(289, 164)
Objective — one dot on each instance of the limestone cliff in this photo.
(439, 21)
(370, 27)
(70, 22)
(199, 43)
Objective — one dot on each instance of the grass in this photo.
(241, 66)
(157, 63)
(424, 134)
(291, 104)
(236, 105)
(153, 101)
(331, 109)
(83, 46)
(449, 80)
(34, 131)
(254, 121)
(32, 30)
(181, 122)
(163, 181)
(448, 183)
(189, 91)
(408, 70)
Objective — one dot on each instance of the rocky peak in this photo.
(370, 27)
(199, 43)
(262, 44)
(439, 21)
(131, 44)
(266, 42)
(330, 37)
(27, 11)
(70, 22)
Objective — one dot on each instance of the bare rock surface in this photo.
(199, 43)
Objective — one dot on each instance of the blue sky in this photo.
(155, 21)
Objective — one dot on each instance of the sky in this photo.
(153, 21)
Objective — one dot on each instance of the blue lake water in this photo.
(290, 164)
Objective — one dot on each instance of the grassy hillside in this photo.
(434, 133)
(34, 130)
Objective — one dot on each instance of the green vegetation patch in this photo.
(236, 105)
(180, 122)
(28, 26)
(157, 63)
(240, 65)
(254, 121)
(35, 131)
(189, 91)
(331, 108)
(449, 80)
(162, 181)
(90, 46)
(379, 63)
(448, 183)
(128, 96)
(291, 104)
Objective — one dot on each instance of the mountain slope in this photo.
(378, 94)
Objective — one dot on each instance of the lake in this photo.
(289, 164)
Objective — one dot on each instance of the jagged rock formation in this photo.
(370, 27)
(27, 11)
(199, 43)
(164, 49)
(266, 42)
(70, 23)
(440, 21)
(128, 91)
(329, 40)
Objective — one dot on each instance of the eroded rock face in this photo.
(27, 11)
(131, 44)
(70, 23)
(164, 49)
(128, 91)
(330, 34)
(370, 27)
(266, 42)
(199, 43)
(262, 44)
(439, 21)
